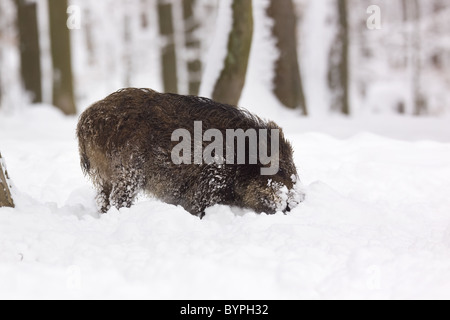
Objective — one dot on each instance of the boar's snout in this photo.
(270, 197)
(295, 197)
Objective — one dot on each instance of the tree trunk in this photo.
(144, 17)
(3, 26)
(63, 94)
(168, 52)
(413, 48)
(193, 46)
(420, 102)
(5, 192)
(127, 58)
(30, 54)
(413, 20)
(228, 88)
(89, 38)
(338, 72)
(288, 85)
(1, 67)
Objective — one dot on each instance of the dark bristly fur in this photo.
(125, 147)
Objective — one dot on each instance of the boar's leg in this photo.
(210, 189)
(125, 187)
(103, 197)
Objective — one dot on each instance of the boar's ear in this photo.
(283, 140)
(273, 125)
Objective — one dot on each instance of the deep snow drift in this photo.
(376, 223)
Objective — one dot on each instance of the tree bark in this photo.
(30, 54)
(88, 30)
(288, 85)
(63, 93)
(228, 88)
(338, 72)
(1, 80)
(127, 58)
(168, 50)
(420, 101)
(144, 17)
(6, 199)
(413, 48)
(193, 46)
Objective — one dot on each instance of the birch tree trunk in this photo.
(63, 94)
(168, 49)
(338, 72)
(30, 54)
(193, 46)
(228, 88)
(288, 85)
(412, 19)
(127, 58)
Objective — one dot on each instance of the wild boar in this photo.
(130, 142)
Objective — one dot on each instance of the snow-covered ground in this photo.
(376, 222)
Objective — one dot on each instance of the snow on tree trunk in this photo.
(30, 51)
(338, 73)
(168, 49)
(5, 186)
(193, 46)
(288, 85)
(228, 88)
(63, 93)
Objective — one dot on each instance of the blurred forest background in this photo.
(319, 57)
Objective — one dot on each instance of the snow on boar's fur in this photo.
(126, 145)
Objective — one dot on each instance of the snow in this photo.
(375, 223)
